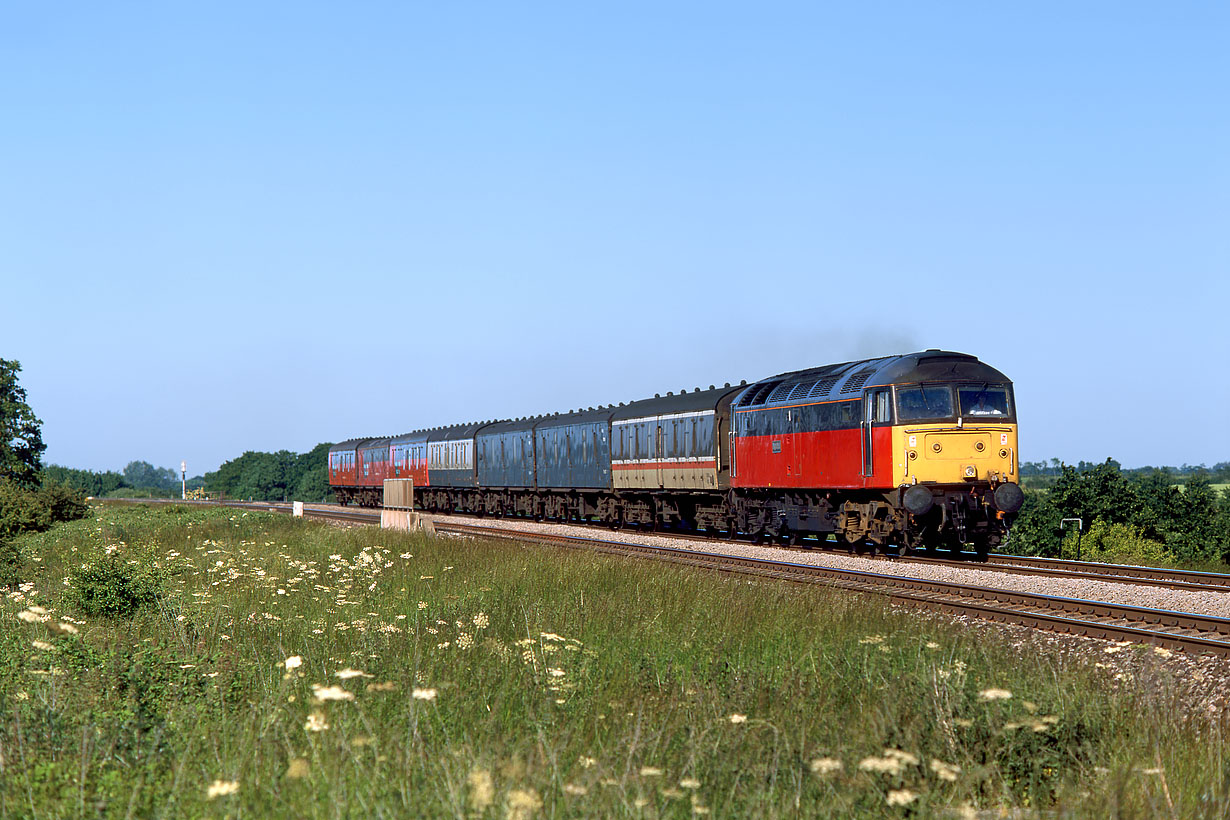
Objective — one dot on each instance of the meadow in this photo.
(189, 662)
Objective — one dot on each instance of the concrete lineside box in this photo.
(399, 493)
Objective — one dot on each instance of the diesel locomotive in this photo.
(912, 452)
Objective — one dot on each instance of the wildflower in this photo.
(586, 762)
(422, 604)
(481, 621)
(323, 693)
(65, 628)
(570, 788)
(522, 803)
(826, 765)
(32, 617)
(347, 674)
(43, 645)
(556, 673)
(386, 686)
(880, 765)
(901, 797)
(650, 771)
(945, 771)
(293, 662)
(424, 694)
(689, 783)
(872, 639)
(994, 694)
(738, 718)
(482, 789)
(298, 769)
(932, 645)
(905, 757)
(22, 696)
(1158, 770)
(465, 641)
(672, 793)
(221, 788)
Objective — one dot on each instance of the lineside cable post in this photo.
(1079, 525)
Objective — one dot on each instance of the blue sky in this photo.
(237, 226)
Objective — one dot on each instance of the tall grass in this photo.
(292, 669)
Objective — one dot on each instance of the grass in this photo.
(291, 669)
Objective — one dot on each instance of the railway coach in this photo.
(915, 452)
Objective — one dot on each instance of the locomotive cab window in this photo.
(983, 401)
(924, 402)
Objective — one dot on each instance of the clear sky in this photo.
(258, 226)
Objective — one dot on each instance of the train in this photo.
(904, 453)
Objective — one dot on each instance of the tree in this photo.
(145, 476)
(21, 440)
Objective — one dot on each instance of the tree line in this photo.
(1145, 514)
(255, 476)
(1044, 474)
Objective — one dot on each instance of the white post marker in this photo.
(183, 480)
(298, 509)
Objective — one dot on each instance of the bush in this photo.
(114, 587)
(1116, 544)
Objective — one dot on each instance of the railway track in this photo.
(1178, 631)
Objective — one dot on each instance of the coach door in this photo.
(659, 456)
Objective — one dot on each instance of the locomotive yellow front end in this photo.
(955, 462)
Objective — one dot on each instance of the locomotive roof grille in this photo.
(855, 383)
(759, 395)
(779, 393)
(822, 387)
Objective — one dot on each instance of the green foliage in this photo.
(21, 441)
(114, 586)
(1156, 517)
(143, 475)
(1036, 530)
(24, 510)
(280, 476)
(1116, 544)
(87, 481)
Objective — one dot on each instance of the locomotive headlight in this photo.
(1003, 453)
(936, 447)
(913, 454)
(979, 446)
(971, 471)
